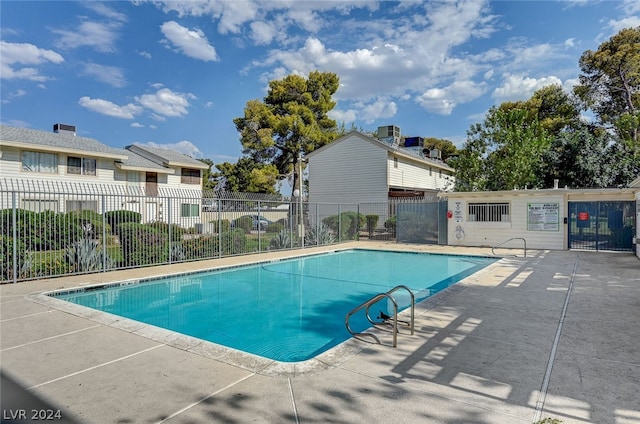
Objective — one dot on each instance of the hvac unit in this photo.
(389, 134)
(414, 142)
(435, 154)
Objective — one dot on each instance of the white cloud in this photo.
(443, 100)
(108, 108)
(14, 95)
(343, 116)
(100, 36)
(519, 87)
(15, 54)
(620, 24)
(192, 43)
(166, 103)
(263, 32)
(145, 54)
(108, 74)
(381, 107)
(630, 6)
(136, 125)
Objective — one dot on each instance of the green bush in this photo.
(7, 259)
(244, 222)
(41, 231)
(390, 224)
(346, 225)
(372, 222)
(200, 247)
(281, 241)
(176, 231)
(142, 244)
(225, 225)
(90, 223)
(275, 227)
(114, 218)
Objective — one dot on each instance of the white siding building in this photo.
(38, 164)
(359, 169)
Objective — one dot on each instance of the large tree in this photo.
(289, 122)
(446, 147)
(246, 175)
(610, 83)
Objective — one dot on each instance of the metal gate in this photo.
(602, 225)
(424, 222)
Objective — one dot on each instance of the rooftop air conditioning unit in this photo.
(414, 142)
(63, 128)
(389, 134)
(435, 154)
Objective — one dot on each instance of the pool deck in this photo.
(554, 334)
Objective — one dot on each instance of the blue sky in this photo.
(176, 73)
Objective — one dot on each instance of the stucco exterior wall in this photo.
(526, 220)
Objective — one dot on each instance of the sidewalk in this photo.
(480, 354)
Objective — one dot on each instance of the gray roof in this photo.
(134, 160)
(166, 156)
(51, 139)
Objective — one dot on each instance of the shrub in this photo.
(90, 223)
(87, 255)
(245, 223)
(225, 225)
(346, 225)
(275, 227)
(390, 224)
(281, 241)
(114, 218)
(7, 259)
(372, 222)
(41, 231)
(200, 247)
(318, 235)
(176, 231)
(142, 244)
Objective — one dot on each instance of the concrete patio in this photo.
(554, 334)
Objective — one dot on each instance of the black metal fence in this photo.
(62, 229)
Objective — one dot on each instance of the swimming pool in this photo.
(288, 310)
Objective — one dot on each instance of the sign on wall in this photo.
(543, 217)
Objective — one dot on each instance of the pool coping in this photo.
(331, 358)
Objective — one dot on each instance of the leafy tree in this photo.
(580, 157)
(247, 175)
(503, 152)
(610, 83)
(446, 147)
(208, 180)
(291, 120)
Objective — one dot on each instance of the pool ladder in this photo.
(375, 299)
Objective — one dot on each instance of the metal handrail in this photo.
(375, 299)
(506, 241)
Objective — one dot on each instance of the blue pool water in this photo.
(288, 310)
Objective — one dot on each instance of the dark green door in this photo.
(602, 225)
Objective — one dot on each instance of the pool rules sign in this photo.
(543, 217)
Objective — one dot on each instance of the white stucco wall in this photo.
(524, 211)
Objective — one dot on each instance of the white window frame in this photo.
(37, 163)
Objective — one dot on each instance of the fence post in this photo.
(14, 218)
(104, 234)
(168, 200)
(220, 228)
